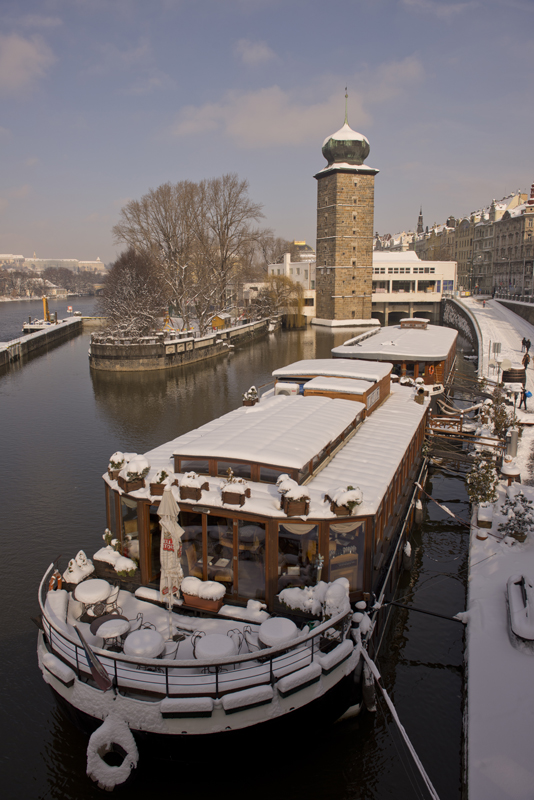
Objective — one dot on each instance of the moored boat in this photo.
(249, 602)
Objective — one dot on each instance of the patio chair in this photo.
(251, 639)
(111, 602)
(237, 637)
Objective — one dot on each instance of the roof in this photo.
(338, 368)
(282, 431)
(345, 385)
(432, 343)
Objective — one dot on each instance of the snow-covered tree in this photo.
(482, 480)
(519, 513)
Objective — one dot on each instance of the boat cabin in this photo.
(285, 493)
(414, 348)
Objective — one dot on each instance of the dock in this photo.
(499, 749)
(31, 343)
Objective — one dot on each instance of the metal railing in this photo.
(193, 677)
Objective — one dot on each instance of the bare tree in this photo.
(132, 299)
(281, 296)
(198, 236)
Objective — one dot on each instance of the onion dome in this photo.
(346, 146)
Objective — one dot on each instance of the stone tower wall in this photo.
(345, 223)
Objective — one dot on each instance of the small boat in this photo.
(244, 565)
(520, 605)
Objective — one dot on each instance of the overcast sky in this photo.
(101, 100)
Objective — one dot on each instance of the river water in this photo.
(60, 424)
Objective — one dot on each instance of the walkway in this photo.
(500, 702)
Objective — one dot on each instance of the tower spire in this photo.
(346, 106)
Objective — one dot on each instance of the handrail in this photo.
(170, 674)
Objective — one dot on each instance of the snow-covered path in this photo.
(500, 700)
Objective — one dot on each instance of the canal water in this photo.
(60, 424)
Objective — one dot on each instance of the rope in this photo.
(433, 794)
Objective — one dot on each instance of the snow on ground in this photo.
(500, 678)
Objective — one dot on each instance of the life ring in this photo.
(56, 581)
(431, 370)
(113, 735)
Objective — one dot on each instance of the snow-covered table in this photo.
(145, 643)
(113, 631)
(215, 646)
(277, 631)
(92, 592)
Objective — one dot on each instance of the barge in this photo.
(243, 566)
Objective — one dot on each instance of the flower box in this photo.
(251, 401)
(339, 511)
(157, 488)
(113, 473)
(131, 486)
(201, 604)
(295, 508)
(193, 492)
(233, 498)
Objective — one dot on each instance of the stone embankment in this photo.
(32, 343)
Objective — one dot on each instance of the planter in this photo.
(113, 473)
(190, 493)
(157, 489)
(131, 486)
(201, 604)
(339, 511)
(251, 402)
(233, 498)
(295, 508)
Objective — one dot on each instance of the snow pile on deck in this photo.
(78, 569)
(110, 556)
(324, 599)
(207, 590)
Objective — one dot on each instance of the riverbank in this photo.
(500, 749)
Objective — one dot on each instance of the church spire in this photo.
(420, 221)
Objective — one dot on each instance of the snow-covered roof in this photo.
(345, 385)
(345, 166)
(370, 459)
(346, 134)
(328, 367)
(282, 431)
(395, 255)
(432, 343)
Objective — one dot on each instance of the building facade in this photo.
(345, 214)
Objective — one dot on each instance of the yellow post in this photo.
(46, 312)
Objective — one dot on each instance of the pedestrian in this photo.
(523, 343)
(527, 345)
(526, 360)
(523, 400)
(483, 304)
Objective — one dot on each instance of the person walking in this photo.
(523, 343)
(527, 345)
(526, 360)
(523, 401)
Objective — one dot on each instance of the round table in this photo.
(112, 630)
(95, 590)
(215, 646)
(277, 631)
(145, 643)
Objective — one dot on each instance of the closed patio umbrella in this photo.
(170, 548)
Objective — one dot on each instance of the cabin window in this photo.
(192, 549)
(270, 475)
(111, 508)
(129, 534)
(200, 466)
(154, 543)
(251, 559)
(346, 547)
(220, 551)
(297, 555)
(239, 470)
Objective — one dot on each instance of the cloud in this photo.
(20, 192)
(22, 62)
(253, 53)
(39, 21)
(272, 117)
(136, 61)
(440, 9)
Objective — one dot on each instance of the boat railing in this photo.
(170, 677)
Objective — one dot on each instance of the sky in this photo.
(102, 100)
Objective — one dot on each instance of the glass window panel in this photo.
(154, 538)
(201, 467)
(346, 545)
(297, 555)
(239, 470)
(129, 528)
(268, 475)
(251, 559)
(191, 544)
(220, 551)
